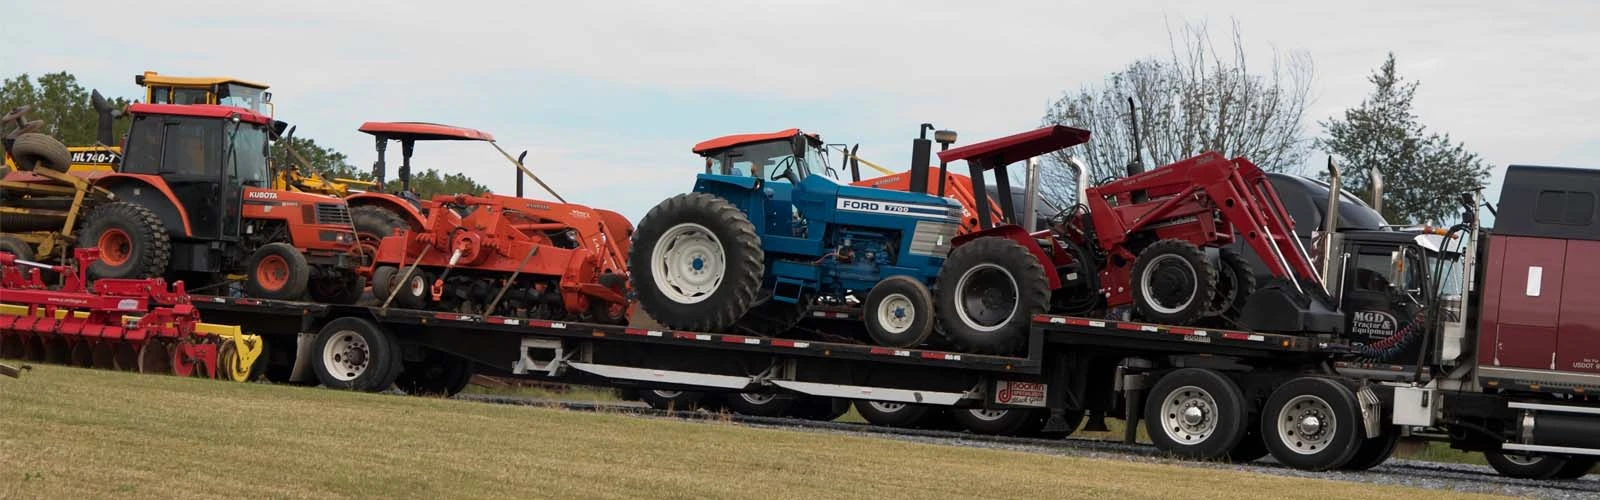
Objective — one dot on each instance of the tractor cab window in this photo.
(250, 98)
(247, 154)
(192, 147)
(160, 95)
(772, 161)
(190, 96)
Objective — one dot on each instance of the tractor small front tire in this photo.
(34, 149)
(989, 290)
(277, 271)
(899, 312)
(610, 313)
(1235, 282)
(697, 263)
(1173, 283)
(132, 241)
(416, 290)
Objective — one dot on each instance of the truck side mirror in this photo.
(1397, 269)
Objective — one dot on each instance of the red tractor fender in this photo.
(149, 191)
(1015, 233)
(392, 203)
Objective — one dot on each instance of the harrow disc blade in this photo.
(154, 357)
(10, 345)
(82, 355)
(124, 356)
(55, 349)
(32, 347)
(186, 362)
(103, 355)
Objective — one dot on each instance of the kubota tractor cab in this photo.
(763, 234)
(193, 201)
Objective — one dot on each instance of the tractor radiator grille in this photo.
(332, 213)
(932, 238)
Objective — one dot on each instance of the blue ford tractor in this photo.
(764, 234)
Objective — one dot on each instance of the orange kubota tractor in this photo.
(496, 254)
(190, 200)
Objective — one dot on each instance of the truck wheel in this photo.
(1374, 451)
(1576, 467)
(353, 353)
(697, 263)
(820, 409)
(416, 291)
(33, 149)
(1196, 413)
(669, 400)
(1312, 423)
(900, 415)
(437, 375)
(1173, 283)
(1235, 282)
(758, 405)
(1525, 466)
(373, 224)
(132, 241)
(989, 290)
(899, 312)
(277, 271)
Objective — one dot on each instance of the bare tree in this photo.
(1192, 102)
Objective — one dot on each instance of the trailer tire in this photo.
(899, 415)
(1312, 423)
(1250, 447)
(132, 241)
(1374, 451)
(33, 149)
(697, 263)
(820, 409)
(1196, 413)
(1235, 282)
(1525, 466)
(355, 354)
(899, 312)
(976, 284)
(758, 405)
(1173, 283)
(437, 375)
(1013, 421)
(1576, 467)
(671, 400)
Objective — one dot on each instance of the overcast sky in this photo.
(609, 96)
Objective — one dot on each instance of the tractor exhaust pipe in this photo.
(104, 114)
(1030, 205)
(1377, 191)
(921, 155)
(1083, 179)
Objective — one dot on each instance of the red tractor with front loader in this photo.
(189, 200)
(1151, 245)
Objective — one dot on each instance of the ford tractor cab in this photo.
(765, 232)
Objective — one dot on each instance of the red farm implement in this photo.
(122, 324)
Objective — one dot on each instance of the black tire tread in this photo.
(1229, 399)
(35, 149)
(299, 272)
(921, 326)
(742, 278)
(1196, 258)
(1033, 295)
(145, 226)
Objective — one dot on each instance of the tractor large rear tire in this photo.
(373, 224)
(989, 290)
(132, 241)
(15, 246)
(41, 150)
(696, 263)
(1173, 283)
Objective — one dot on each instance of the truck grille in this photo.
(333, 213)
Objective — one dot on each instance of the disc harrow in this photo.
(140, 325)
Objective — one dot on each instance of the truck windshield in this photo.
(233, 94)
(247, 155)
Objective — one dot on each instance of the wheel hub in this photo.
(896, 313)
(1170, 282)
(1189, 415)
(688, 263)
(986, 297)
(346, 356)
(1306, 424)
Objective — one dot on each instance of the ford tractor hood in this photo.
(864, 199)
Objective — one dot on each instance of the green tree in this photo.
(430, 182)
(327, 162)
(62, 104)
(1422, 171)
(1197, 99)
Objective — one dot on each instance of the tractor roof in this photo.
(423, 131)
(153, 78)
(1016, 147)
(197, 110)
(729, 141)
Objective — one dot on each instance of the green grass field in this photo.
(72, 433)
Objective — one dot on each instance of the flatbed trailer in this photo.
(1073, 365)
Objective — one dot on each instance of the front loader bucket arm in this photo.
(1269, 225)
